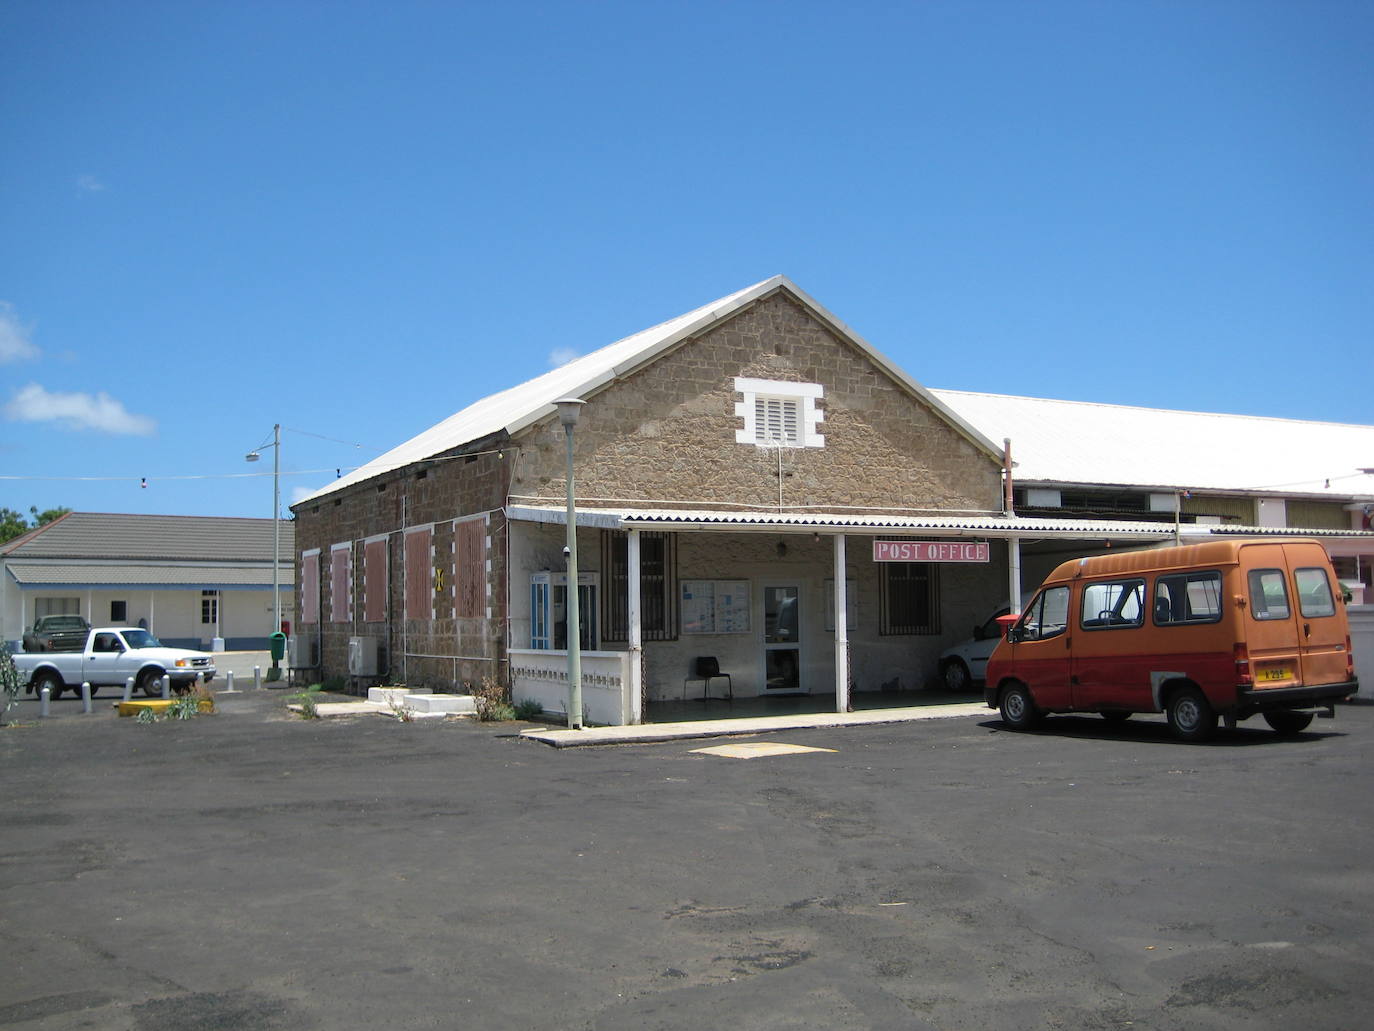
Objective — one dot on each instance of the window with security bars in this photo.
(777, 420)
(909, 603)
(657, 586)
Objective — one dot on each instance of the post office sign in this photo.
(930, 551)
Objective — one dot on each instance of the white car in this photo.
(963, 665)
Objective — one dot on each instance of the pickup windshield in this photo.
(141, 639)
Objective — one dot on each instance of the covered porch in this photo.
(802, 615)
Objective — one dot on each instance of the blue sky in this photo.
(356, 218)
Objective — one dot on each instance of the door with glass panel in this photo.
(782, 638)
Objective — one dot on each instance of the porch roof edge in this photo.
(859, 525)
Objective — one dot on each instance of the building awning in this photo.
(991, 527)
(37, 575)
(983, 526)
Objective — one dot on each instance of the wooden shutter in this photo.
(340, 583)
(310, 587)
(374, 580)
(419, 572)
(470, 540)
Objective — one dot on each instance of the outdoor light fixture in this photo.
(569, 408)
(253, 456)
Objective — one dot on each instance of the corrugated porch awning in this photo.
(991, 527)
(983, 526)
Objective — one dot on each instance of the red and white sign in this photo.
(930, 551)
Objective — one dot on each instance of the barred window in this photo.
(657, 586)
(910, 600)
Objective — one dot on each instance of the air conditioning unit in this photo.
(302, 653)
(363, 656)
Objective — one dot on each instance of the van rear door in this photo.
(1271, 626)
(1321, 631)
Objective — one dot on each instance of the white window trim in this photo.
(806, 394)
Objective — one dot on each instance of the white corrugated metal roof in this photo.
(971, 525)
(1064, 442)
(512, 410)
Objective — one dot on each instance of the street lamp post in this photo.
(568, 410)
(253, 456)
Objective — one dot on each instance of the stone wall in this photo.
(666, 433)
(445, 652)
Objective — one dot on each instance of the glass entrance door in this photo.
(782, 638)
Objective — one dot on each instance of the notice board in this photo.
(715, 606)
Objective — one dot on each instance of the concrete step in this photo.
(458, 704)
(384, 695)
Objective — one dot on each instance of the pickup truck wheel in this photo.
(52, 682)
(955, 675)
(1191, 716)
(1018, 708)
(150, 683)
(1289, 724)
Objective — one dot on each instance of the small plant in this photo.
(149, 716)
(10, 681)
(491, 703)
(397, 704)
(186, 707)
(528, 709)
(308, 701)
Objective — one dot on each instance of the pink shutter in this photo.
(470, 539)
(374, 581)
(418, 572)
(310, 588)
(339, 586)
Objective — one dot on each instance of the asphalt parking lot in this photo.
(250, 870)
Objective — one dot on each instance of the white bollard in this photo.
(128, 688)
(166, 686)
(229, 683)
(43, 698)
(86, 696)
(257, 677)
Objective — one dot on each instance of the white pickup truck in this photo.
(111, 656)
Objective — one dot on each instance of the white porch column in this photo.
(841, 630)
(1014, 574)
(635, 711)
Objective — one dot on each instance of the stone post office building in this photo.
(738, 471)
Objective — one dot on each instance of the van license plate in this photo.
(1274, 673)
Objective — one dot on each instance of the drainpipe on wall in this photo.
(1013, 542)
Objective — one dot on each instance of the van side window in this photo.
(1188, 598)
(1314, 592)
(1114, 605)
(1268, 594)
(1048, 615)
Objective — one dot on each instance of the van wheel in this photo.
(1191, 716)
(955, 675)
(1289, 724)
(1018, 709)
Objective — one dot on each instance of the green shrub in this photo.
(10, 681)
(528, 709)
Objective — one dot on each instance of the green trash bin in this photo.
(278, 647)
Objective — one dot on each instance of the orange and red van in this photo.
(1225, 629)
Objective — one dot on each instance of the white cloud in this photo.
(89, 184)
(299, 494)
(99, 412)
(15, 344)
(560, 356)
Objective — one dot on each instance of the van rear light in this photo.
(1349, 660)
(1242, 656)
